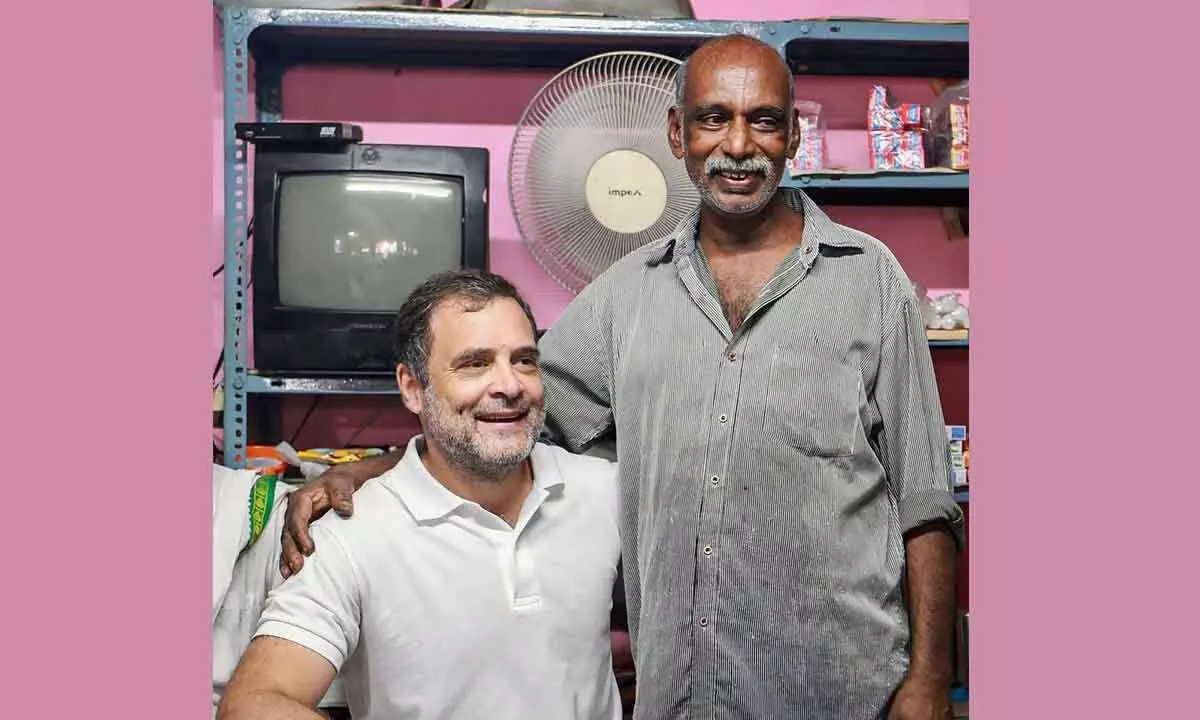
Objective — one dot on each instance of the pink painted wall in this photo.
(448, 111)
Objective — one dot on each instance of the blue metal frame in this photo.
(557, 28)
(923, 188)
(843, 47)
(913, 180)
(258, 385)
(267, 41)
(235, 30)
(565, 27)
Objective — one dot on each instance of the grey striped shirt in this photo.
(767, 474)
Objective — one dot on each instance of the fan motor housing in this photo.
(626, 191)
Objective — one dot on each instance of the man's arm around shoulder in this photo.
(276, 679)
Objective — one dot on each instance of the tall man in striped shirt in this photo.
(788, 529)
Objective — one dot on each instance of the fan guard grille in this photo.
(591, 174)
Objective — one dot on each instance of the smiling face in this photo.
(735, 127)
(482, 408)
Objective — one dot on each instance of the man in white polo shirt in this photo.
(476, 577)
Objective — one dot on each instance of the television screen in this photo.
(360, 241)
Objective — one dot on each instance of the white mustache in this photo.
(723, 164)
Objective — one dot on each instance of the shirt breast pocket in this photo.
(811, 404)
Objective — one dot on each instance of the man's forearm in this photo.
(264, 705)
(930, 553)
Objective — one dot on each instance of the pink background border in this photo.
(1084, 532)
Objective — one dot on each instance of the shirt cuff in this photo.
(928, 506)
(304, 638)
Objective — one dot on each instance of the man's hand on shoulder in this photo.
(333, 489)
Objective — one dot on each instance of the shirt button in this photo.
(708, 549)
(723, 418)
(732, 357)
(703, 622)
(715, 480)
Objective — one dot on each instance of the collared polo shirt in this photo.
(432, 607)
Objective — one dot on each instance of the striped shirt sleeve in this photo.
(576, 363)
(913, 445)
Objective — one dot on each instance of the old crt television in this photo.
(342, 235)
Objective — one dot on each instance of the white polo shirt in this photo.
(437, 609)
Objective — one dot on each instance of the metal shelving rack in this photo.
(269, 41)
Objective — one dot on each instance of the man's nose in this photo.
(505, 381)
(737, 143)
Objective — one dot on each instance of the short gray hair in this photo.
(475, 289)
(681, 83)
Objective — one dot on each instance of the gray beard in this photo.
(464, 452)
(771, 180)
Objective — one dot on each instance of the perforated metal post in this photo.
(235, 30)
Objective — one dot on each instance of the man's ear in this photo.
(675, 132)
(411, 391)
(794, 135)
